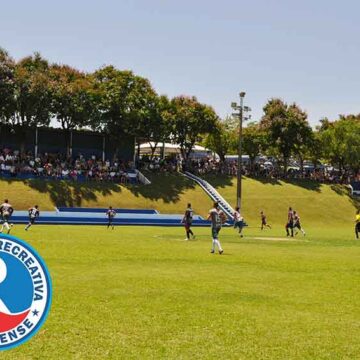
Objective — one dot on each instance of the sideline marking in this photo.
(277, 239)
(170, 238)
(163, 237)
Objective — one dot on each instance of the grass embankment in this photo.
(143, 293)
(319, 205)
(168, 194)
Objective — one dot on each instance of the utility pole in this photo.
(240, 114)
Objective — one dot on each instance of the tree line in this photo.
(285, 133)
(119, 103)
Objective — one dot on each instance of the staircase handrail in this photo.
(207, 187)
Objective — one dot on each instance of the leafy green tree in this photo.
(124, 102)
(72, 98)
(304, 145)
(287, 128)
(341, 142)
(253, 142)
(191, 120)
(352, 157)
(222, 139)
(325, 123)
(156, 126)
(32, 95)
(7, 86)
(315, 149)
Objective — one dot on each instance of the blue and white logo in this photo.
(25, 292)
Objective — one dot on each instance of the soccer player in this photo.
(264, 221)
(33, 214)
(187, 221)
(6, 210)
(111, 213)
(357, 224)
(297, 224)
(238, 221)
(217, 218)
(290, 223)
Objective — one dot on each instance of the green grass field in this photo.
(144, 293)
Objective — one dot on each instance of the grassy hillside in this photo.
(323, 205)
(317, 204)
(167, 193)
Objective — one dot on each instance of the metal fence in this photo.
(50, 140)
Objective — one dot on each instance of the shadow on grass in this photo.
(72, 194)
(267, 181)
(164, 186)
(223, 181)
(344, 191)
(219, 181)
(303, 183)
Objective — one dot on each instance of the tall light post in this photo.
(240, 114)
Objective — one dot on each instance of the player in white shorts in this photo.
(111, 213)
(6, 210)
(238, 221)
(217, 218)
(33, 214)
(297, 224)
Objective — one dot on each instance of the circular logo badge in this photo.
(25, 292)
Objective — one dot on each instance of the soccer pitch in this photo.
(145, 293)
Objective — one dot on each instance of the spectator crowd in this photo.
(14, 164)
(261, 169)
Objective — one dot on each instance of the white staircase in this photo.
(142, 178)
(215, 196)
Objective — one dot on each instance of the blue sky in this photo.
(303, 51)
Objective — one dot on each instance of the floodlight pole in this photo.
(239, 176)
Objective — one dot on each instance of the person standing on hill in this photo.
(6, 211)
(357, 224)
(290, 223)
(111, 213)
(187, 221)
(217, 218)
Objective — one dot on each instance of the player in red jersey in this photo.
(290, 223)
(187, 221)
(264, 221)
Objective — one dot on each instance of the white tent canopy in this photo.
(197, 151)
